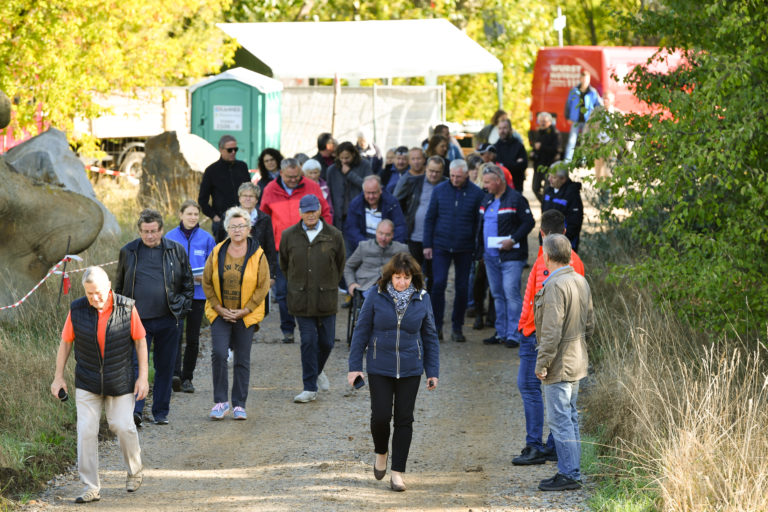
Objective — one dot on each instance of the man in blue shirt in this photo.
(582, 100)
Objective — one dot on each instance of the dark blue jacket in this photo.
(396, 349)
(198, 246)
(515, 219)
(451, 221)
(354, 225)
(567, 200)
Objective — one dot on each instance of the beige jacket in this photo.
(564, 321)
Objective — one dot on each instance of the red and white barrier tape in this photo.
(101, 170)
(54, 270)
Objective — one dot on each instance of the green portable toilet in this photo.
(241, 103)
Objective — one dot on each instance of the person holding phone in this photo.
(397, 327)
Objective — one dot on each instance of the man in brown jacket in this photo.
(564, 321)
(312, 258)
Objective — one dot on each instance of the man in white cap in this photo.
(312, 258)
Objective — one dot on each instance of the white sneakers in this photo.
(323, 384)
(305, 396)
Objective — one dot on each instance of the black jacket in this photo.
(567, 200)
(515, 220)
(177, 275)
(409, 194)
(508, 152)
(220, 183)
(112, 374)
(262, 232)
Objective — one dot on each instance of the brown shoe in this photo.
(379, 473)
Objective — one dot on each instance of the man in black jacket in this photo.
(104, 328)
(511, 152)
(221, 179)
(155, 273)
(564, 195)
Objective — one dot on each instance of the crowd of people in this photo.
(385, 225)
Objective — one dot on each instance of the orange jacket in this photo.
(536, 279)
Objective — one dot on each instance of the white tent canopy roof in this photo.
(246, 76)
(363, 49)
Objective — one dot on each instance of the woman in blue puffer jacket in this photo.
(397, 327)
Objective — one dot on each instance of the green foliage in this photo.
(57, 54)
(693, 189)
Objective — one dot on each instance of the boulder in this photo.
(173, 168)
(48, 158)
(36, 220)
(5, 110)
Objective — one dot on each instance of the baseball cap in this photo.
(485, 147)
(309, 203)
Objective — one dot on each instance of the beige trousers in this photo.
(120, 418)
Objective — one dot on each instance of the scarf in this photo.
(401, 298)
(187, 232)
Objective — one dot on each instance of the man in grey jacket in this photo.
(564, 321)
(363, 268)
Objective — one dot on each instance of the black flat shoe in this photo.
(379, 473)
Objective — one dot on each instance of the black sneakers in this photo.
(559, 482)
(530, 456)
(137, 419)
(493, 340)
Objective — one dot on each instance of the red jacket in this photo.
(284, 208)
(535, 281)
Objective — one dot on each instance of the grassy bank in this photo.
(679, 420)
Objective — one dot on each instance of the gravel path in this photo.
(318, 456)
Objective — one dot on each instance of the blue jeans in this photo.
(573, 136)
(317, 334)
(530, 391)
(504, 280)
(236, 335)
(563, 419)
(287, 322)
(441, 262)
(164, 331)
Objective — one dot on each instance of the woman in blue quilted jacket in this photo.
(397, 327)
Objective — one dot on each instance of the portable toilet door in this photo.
(241, 103)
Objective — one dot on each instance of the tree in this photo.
(57, 54)
(694, 184)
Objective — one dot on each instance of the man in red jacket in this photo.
(280, 200)
(536, 452)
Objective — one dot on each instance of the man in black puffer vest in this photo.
(104, 329)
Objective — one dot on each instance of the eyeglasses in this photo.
(153, 232)
(239, 227)
(232, 150)
(248, 195)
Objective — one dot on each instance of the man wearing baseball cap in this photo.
(312, 257)
(488, 152)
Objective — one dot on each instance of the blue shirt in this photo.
(491, 226)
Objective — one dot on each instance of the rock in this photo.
(48, 158)
(36, 218)
(5, 110)
(173, 168)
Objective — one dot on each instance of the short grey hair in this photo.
(289, 163)
(249, 187)
(544, 116)
(494, 169)
(386, 222)
(148, 216)
(373, 177)
(558, 248)
(96, 275)
(438, 160)
(559, 169)
(224, 139)
(459, 164)
(236, 212)
(311, 165)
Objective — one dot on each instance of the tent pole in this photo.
(500, 88)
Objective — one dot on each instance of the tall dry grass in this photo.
(675, 408)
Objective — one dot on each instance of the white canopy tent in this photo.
(365, 49)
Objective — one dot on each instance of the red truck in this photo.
(557, 71)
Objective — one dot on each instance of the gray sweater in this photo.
(364, 265)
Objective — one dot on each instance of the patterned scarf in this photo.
(401, 298)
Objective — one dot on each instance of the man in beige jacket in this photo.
(564, 321)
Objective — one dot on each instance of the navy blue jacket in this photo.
(451, 221)
(515, 219)
(396, 349)
(567, 200)
(354, 225)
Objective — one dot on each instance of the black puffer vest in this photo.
(111, 375)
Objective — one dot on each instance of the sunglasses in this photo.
(232, 150)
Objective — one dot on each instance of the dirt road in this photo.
(318, 456)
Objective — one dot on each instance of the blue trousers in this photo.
(573, 136)
(504, 281)
(317, 334)
(530, 391)
(223, 335)
(164, 331)
(287, 322)
(441, 262)
(563, 419)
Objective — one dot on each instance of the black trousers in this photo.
(417, 251)
(386, 391)
(192, 322)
